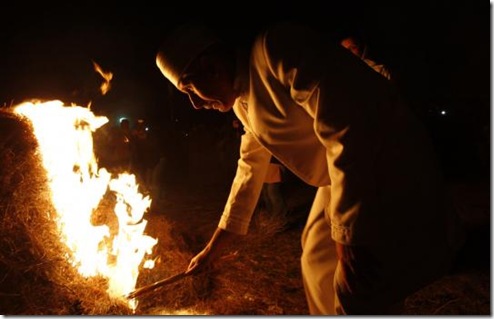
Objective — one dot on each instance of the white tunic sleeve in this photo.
(246, 187)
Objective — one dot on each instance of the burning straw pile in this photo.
(37, 277)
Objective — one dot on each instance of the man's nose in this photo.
(196, 101)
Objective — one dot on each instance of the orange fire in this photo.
(64, 135)
(105, 86)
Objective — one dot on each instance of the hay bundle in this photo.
(36, 277)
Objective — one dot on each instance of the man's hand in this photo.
(211, 253)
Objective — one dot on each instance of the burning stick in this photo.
(155, 285)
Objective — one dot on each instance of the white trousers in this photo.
(319, 257)
(377, 283)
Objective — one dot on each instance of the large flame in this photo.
(77, 185)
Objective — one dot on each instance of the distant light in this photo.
(147, 128)
(121, 119)
(443, 112)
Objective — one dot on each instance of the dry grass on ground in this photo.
(261, 276)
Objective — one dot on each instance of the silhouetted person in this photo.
(358, 48)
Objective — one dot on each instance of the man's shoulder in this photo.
(281, 39)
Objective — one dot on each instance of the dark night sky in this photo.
(440, 49)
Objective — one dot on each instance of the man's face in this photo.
(208, 85)
(351, 45)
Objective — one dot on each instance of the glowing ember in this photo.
(77, 185)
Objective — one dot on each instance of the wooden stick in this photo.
(155, 285)
(170, 280)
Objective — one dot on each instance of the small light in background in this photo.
(443, 112)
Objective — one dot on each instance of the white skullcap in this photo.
(181, 47)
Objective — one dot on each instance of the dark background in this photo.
(438, 51)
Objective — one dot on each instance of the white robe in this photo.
(332, 120)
